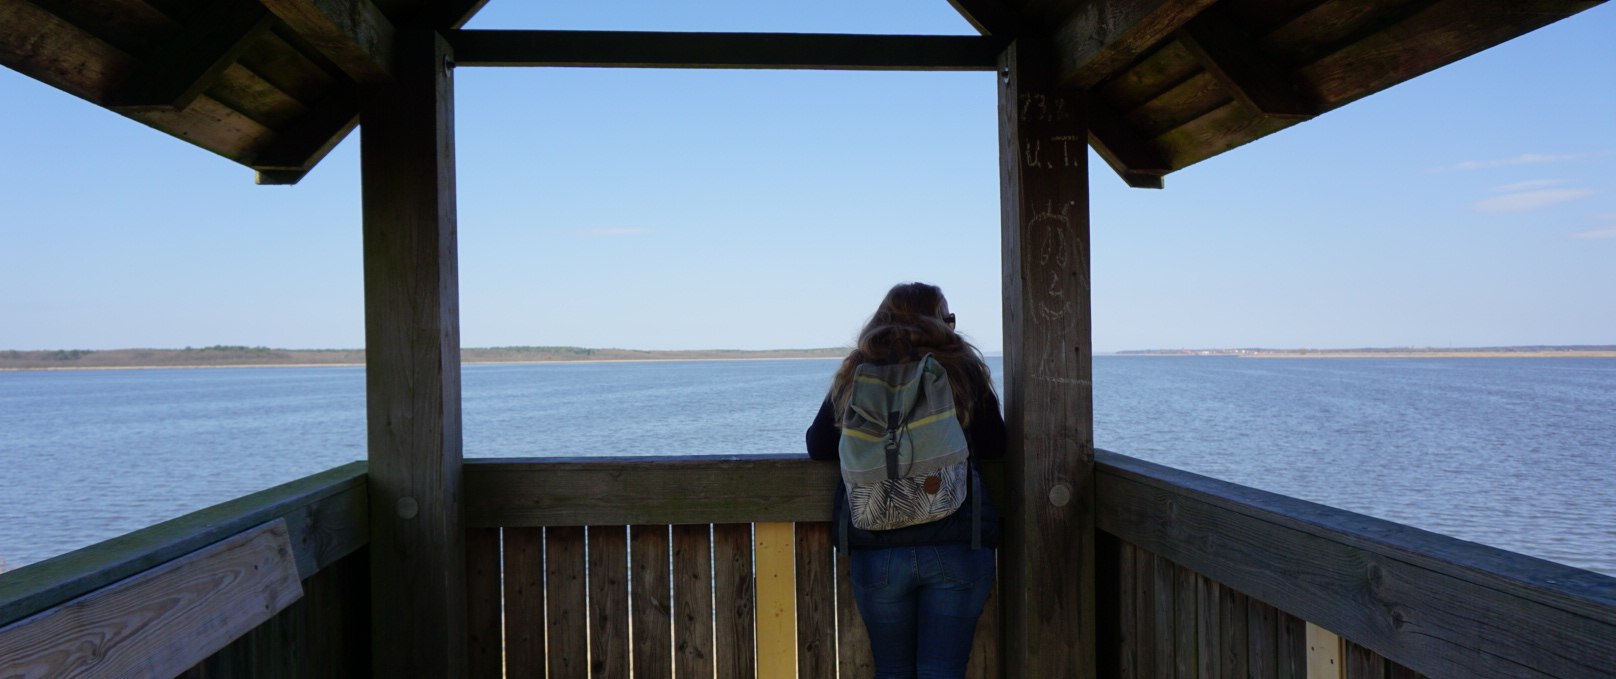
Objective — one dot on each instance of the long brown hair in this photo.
(905, 327)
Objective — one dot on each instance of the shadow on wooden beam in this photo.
(725, 50)
(176, 72)
(1223, 49)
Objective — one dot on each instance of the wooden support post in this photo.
(412, 376)
(1049, 551)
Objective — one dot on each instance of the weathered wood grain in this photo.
(852, 639)
(735, 650)
(1262, 635)
(1291, 647)
(1208, 628)
(193, 58)
(325, 515)
(1144, 603)
(524, 601)
(1151, 77)
(692, 601)
(1253, 78)
(285, 67)
(1164, 592)
(816, 600)
(1232, 621)
(412, 373)
(484, 645)
(1185, 604)
(608, 601)
(699, 489)
(1324, 654)
(566, 602)
(1047, 613)
(725, 50)
(353, 34)
(1363, 663)
(163, 621)
(1127, 584)
(651, 603)
(776, 600)
(1426, 601)
(1099, 38)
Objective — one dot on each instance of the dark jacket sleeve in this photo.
(824, 437)
(986, 434)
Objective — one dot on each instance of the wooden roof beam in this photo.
(989, 17)
(1129, 155)
(182, 68)
(725, 50)
(353, 34)
(1226, 53)
(1100, 37)
(296, 150)
(456, 13)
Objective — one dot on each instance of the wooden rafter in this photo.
(353, 34)
(989, 17)
(1129, 155)
(455, 13)
(1105, 35)
(296, 150)
(724, 50)
(1229, 55)
(187, 64)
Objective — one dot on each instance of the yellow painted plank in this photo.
(163, 621)
(1323, 654)
(776, 601)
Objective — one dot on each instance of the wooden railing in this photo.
(674, 567)
(1203, 578)
(272, 584)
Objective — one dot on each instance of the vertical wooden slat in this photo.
(1262, 657)
(524, 602)
(1363, 663)
(1144, 597)
(1184, 604)
(776, 601)
(1232, 619)
(1107, 606)
(1324, 654)
(412, 374)
(852, 640)
(985, 661)
(692, 602)
(484, 652)
(1400, 672)
(1164, 575)
(735, 647)
(566, 602)
(1049, 615)
(1292, 648)
(816, 601)
(608, 601)
(651, 602)
(1208, 628)
(1127, 584)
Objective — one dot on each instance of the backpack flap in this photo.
(903, 453)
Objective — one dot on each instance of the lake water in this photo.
(1515, 453)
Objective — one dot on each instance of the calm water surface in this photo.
(1515, 453)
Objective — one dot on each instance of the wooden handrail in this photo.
(1438, 605)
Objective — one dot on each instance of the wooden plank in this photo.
(1108, 606)
(1144, 602)
(735, 646)
(1363, 663)
(1232, 622)
(1099, 38)
(985, 662)
(1343, 573)
(566, 600)
(412, 374)
(988, 17)
(179, 69)
(485, 645)
(1120, 145)
(1291, 646)
(692, 601)
(816, 600)
(1396, 671)
(1163, 69)
(301, 145)
(1127, 584)
(1184, 609)
(1191, 98)
(1323, 654)
(651, 602)
(1253, 78)
(626, 490)
(1208, 628)
(724, 50)
(852, 639)
(1262, 637)
(244, 91)
(163, 621)
(1164, 591)
(353, 34)
(325, 514)
(1048, 613)
(608, 601)
(776, 601)
(1214, 132)
(289, 69)
(130, 25)
(524, 602)
(337, 612)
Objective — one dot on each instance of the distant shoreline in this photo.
(244, 357)
(1487, 352)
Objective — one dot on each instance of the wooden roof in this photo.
(274, 84)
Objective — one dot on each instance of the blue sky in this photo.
(663, 209)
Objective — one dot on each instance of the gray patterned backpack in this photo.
(904, 457)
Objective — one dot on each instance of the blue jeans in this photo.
(920, 605)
